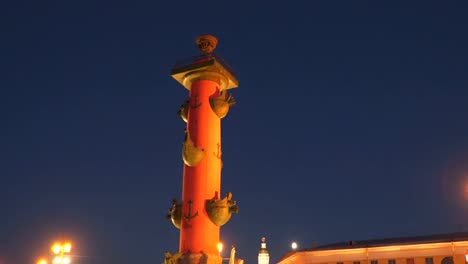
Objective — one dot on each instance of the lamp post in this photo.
(220, 247)
(60, 251)
(41, 261)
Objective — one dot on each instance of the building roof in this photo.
(395, 241)
(437, 238)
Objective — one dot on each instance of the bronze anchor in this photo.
(190, 216)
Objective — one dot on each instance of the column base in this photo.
(194, 258)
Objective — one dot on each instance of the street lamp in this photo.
(220, 247)
(42, 261)
(59, 250)
(61, 260)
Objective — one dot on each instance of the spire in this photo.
(263, 255)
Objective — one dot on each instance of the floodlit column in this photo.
(203, 210)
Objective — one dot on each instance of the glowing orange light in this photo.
(220, 247)
(57, 260)
(42, 261)
(66, 260)
(56, 248)
(66, 247)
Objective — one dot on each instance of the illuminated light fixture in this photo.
(42, 261)
(60, 251)
(66, 248)
(57, 260)
(56, 248)
(66, 260)
(220, 247)
(466, 257)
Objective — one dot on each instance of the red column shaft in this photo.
(203, 181)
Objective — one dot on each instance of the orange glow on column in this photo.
(203, 181)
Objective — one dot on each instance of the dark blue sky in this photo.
(350, 123)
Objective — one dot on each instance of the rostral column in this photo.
(202, 211)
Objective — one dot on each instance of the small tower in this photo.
(263, 256)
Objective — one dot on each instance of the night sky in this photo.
(351, 123)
